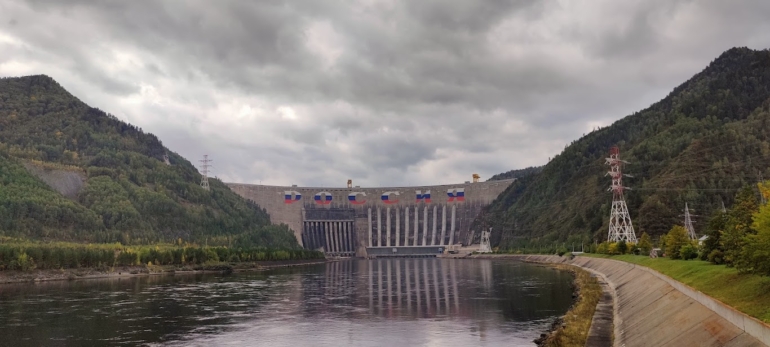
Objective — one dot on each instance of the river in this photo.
(382, 302)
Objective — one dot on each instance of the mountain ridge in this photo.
(698, 137)
(130, 194)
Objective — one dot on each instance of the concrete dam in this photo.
(376, 222)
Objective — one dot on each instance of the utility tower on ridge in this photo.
(621, 228)
(688, 223)
(205, 171)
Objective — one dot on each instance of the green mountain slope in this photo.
(529, 171)
(698, 145)
(129, 195)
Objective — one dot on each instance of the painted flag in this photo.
(424, 197)
(288, 196)
(323, 198)
(352, 198)
(455, 194)
(386, 198)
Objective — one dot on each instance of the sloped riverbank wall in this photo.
(652, 309)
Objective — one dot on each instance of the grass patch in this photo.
(577, 321)
(748, 293)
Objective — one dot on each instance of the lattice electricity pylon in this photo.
(485, 247)
(688, 223)
(205, 171)
(621, 228)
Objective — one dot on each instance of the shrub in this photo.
(717, 257)
(24, 262)
(645, 244)
(688, 251)
(622, 247)
(602, 248)
(675, 240)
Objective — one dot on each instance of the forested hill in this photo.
(698, 145)
(529, 171)
(121, 187)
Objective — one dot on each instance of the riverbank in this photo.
(572, 329)
(652, 309)
(589, 321)
(747, 293)
(32, 276)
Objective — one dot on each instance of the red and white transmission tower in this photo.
(205, 171)
(621, 228)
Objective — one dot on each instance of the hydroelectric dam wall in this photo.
(376, 221)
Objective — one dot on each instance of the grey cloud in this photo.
(641, 33)
(396, 92)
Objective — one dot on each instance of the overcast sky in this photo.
(384, 92)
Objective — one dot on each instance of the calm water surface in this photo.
(386, 302)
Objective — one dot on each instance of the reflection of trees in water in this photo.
(131, 310)
(155, 309)
(540, 292)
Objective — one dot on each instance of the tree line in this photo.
(737, 237)
(61, 255)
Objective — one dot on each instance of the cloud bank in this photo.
(385, 92)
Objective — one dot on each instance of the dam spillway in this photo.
(381, 221)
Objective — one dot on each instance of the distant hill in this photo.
(73, 172)
(698, 145)
(532, 170)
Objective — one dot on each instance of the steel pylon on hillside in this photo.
(205, 171)
(621, 228)
(688, 223)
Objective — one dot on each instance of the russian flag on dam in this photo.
(387, 199)
(352, 198)
(288, 196)
(456, 194)
(420, 196)
(323, 198)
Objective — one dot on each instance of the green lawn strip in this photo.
(747, 293)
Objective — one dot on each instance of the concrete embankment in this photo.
(651, 309)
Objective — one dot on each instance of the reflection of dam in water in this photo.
(361, 302)
(426, 286)
(398, 288)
